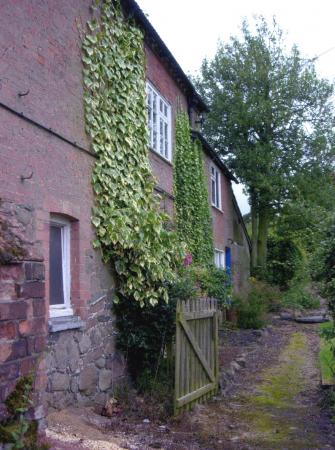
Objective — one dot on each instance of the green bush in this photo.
(261, 298)
(284, 260)
(299, 297)
(146, 333)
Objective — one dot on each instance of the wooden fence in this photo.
(197, 366)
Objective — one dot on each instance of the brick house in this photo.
(55, 292)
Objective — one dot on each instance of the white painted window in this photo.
(59, 267)
(159, 123)
(219, 259)
(215, 187)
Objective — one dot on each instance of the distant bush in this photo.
(285, 259)
(261, 298)
(298, 296)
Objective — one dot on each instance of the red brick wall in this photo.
(41, 57)
(159, 77)
(224, 221)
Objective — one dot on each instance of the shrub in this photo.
(284, 260)
(17, 431)
(299, 297)
(146, 332)
(261, 298)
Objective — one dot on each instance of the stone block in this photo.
(85, 344)
(73, 355)
(105, 379)
(74, 385)
(88, 379)
(100, 363)
(59, 382)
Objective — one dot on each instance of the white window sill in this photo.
(168, 161)
(64, 323)
(217, 208)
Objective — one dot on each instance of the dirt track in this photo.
(273, 404)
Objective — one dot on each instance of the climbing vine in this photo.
(191, 195)
(129, 226)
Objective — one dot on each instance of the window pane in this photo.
(161, 136)
(213, 192)
(217, 185)
(154, 121)
(56, 272)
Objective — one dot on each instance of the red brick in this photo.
(31, 326)
(28, 365)
(33, 289)
(8, 330)
(40, 344)
(34, 271)
(8, 291)
(8, 372)
(39, 307)
(16, 310)
(19, 350)
(6, 348)
(12, 272)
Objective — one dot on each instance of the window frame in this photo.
(64, 309)
(222, 265)
(216, 180)
(165, 136)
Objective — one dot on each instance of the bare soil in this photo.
(274, 403)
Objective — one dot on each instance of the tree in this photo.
(271, 118)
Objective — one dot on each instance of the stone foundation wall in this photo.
(83, 365)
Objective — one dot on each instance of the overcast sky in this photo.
(192, 28)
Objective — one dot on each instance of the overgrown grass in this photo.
(326, 355)
(298, 296)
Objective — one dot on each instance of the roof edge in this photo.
(213, 155)
(133, 10)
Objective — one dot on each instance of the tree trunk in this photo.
(263, 229)
(254, 228)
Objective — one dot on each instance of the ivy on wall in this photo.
(129, 226)
(194, 223)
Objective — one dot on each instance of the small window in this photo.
(159, 123)
(219, 259)
(215, 187)
(59, 268)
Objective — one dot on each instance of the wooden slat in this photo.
(197, 349)
(196, 367)
(196, 394)
(198, 315)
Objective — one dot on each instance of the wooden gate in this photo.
(197, 366)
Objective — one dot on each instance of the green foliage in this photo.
(129, 226)
(299, 296)
(261, 298)
(285, 258)
(146, 332)
(270, 116)
(194, 223)
(209, 282)
(326, 354)
(323, 265)
(17, 431)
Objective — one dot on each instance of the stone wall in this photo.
(83, 365)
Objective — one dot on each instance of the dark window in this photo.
(56, 266)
